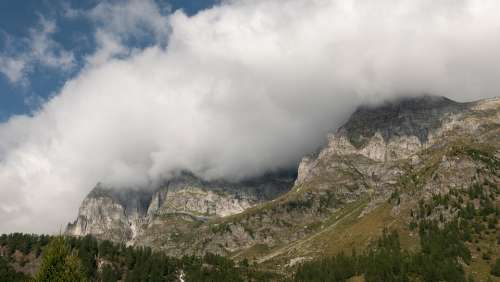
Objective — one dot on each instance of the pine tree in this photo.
(60, 264)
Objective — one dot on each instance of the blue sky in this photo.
(73, 34)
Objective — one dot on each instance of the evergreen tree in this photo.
(60, 264)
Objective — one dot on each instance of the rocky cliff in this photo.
(375, 172)
(122, 214)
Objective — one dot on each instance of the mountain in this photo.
(394, 165)
(123, 215)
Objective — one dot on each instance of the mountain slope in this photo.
(380, 170)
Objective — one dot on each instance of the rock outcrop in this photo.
(398, 130)
(122, 214)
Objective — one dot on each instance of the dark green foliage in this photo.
(106, 250)
(59, 263)
(25, 243)
(413, 225)
(78, 259)
(440, 249)
(486, 256)
(87, 249)
(468, 212)
(214, 267)
(143, 264)
(386, 261)
(299, 204)
(495, 269)
(108, 274)
(221, 269)
(383, 261)
(395, 197)
(7, 272)
(337, 268)
(492, 162)
(443, 243)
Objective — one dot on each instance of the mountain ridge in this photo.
(371, 174)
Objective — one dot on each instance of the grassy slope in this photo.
(345, 229)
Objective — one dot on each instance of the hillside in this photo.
(399, 165)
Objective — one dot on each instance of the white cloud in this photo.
(117, 24)
(40, 49)
(241, 88)
(45, 50)
(69, 12)
(136, 18)
(109, 46)
(13, 68)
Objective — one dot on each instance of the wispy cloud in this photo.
(13, 67)
(39, 48)
(69, 12)
(45, 50)
(136, 18)
(118, 24)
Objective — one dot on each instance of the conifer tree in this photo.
(60, 264)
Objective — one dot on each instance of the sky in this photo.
(131, 92)
(73, 33)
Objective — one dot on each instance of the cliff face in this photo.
(399, 130)
(111, 214)
(410, 150)
(122, 214)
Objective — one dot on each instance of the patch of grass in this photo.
(253, 252)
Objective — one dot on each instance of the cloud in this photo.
(69, 12)
(13, 68)
(239, 89)
(137, 18)
(38, 49)
(119, 27)
(46, 51)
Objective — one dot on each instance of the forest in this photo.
(87, 259)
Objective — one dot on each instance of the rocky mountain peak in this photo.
(398, 129)
(411, 116)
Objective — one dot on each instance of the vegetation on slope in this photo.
(452, 248)
(87, 259)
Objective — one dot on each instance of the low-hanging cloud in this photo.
(240, 89)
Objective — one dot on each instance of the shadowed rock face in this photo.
(132, 200)
(403, 117)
